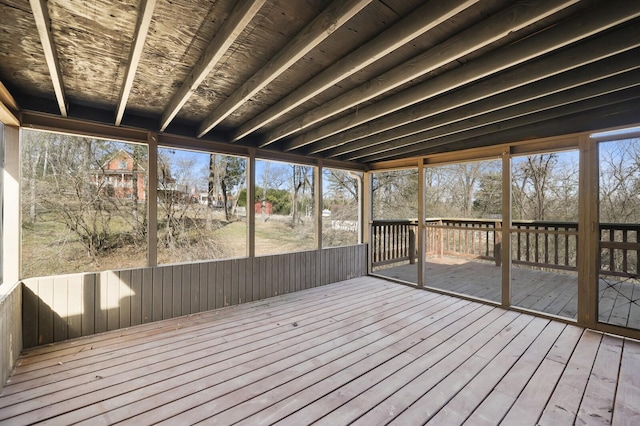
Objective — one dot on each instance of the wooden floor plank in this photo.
(177, 329)
(207, 375)
(177, 338)
(597, 405)
(424, 381)
(626, 410)
(564, 403)
(364, 351)
(492, 392)
(498, 351)
(529, 405)
(369, 370)
(125, 381)
(332, 360)
(326, 406)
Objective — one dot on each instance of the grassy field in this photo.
(49, 248)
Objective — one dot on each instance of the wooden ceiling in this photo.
(360, 81)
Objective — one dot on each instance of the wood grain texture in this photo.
(362, 351)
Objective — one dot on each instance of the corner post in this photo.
(11, 262)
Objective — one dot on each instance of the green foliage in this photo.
(280, 199)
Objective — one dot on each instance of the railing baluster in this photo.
(625, 268)
(555, 247)
(612, 238)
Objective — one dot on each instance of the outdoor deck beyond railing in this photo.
(544, 244)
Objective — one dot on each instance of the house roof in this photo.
(359, 81)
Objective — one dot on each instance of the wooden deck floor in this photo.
(364, 351)
(549, 292)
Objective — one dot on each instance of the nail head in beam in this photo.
(332, 18)
(241, 16)
(142, 29)
(43, 23)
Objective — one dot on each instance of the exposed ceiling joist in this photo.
(608, 15)
(333, 17)
(142, 29)
(43, 23)
(604, 92)
(241, 16)
(604, 116)
(417, 23)
(515, 86)
(8, 108)
(482, 34)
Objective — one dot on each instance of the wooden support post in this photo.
(588, 234)
(421, 226)
(367, 210)
(152, 200)
(505, 245)
(318, 205)
(251, 212)
(11, 210)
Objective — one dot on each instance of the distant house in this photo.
(117, 176)
(268, 207)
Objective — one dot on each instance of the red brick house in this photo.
(117, 176)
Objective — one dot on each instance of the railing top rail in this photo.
(541, 223)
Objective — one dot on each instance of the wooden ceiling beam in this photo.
(480, 35)
(514, 87)
(603, 90)
(618, 114)
(606, 16)
(142, 29)
(43, 23)
(417, 23)
(333, 17)
(241, 16)
(8, 108)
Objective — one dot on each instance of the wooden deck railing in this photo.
(393, 241)
(544, 244)
(619, 249)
